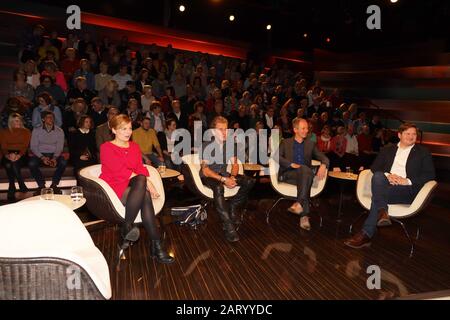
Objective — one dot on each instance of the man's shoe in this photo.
(304, 223)
(359, 240)
(230, 232)
(296, 209)
(383, 218)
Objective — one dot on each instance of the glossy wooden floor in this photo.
(281, 261)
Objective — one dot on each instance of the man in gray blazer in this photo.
(295, 155)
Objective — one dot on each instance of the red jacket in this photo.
(119, 163)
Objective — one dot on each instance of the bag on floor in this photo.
(191, 215)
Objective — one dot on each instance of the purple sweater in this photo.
(43, 141)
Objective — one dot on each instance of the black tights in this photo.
(135, 198)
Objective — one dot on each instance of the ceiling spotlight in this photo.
(231, 17)
(268, 27)
(182, 8)
(305, 35)
(394, 1)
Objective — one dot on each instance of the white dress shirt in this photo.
(269, 121)
(399, 164)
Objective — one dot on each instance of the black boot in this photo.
(55, 188)
(230, 232)
(159, 253)
(11, 195)
(129, 232)
(235, 216)
(23, 188)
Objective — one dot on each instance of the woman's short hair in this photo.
(199, 104)
(80, 122)
(46, 96)
(117, 121)
(82, 101)
(12, 117)
(113, 83)
(154, 105)
(169, 122)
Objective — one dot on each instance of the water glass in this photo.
(349, 171)
(76, 193)
(47, 194)
(162, 169)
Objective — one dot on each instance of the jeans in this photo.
(303, 178)
(36, 162)
(154, 159)
(383, 193)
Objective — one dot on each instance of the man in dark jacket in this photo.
(180, 117)
(399, 172)
(295, 155)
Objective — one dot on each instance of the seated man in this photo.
(147, 140)
(103, 132)
(295, 155)
(215, 176)
(399, 172)
(47, 144)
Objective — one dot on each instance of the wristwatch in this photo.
(223, 179)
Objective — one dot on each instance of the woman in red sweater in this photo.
(123, 170)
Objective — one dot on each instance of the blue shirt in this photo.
(299, 152)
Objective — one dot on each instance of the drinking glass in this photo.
(47, 194)
(349, 171)
(76, 193)
(162, 169)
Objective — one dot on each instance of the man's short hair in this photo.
(405, 126)
(46, 113)
(79, 79)
(296, 121)
(218, 119)
(96, 99)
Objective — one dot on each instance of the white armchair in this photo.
(192, 162)
(103, 202)
(396, 212)
(288, 191)
(47, 253)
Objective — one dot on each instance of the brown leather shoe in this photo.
(383, 218)
(358, 241)
(304, 223)
(296, 209)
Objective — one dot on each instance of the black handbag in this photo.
(191, 215)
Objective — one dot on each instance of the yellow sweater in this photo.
(147, 140)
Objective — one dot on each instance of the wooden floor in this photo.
(280, 261)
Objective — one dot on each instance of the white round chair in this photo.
(396, 212)
(47, 253)
(103, 202)
(192, 162)
(288, 191)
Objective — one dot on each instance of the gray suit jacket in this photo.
(286, 154)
